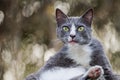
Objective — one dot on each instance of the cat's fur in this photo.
(80, 55)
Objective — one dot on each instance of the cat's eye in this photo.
(65, 28)
(81, 28)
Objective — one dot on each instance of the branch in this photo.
(1, 16)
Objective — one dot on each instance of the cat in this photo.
(81, 58)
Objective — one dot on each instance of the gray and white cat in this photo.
(81, 58)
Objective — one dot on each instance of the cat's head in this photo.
(74, 29)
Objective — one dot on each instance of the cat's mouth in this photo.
(73, 41)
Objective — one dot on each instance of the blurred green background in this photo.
(28, 32)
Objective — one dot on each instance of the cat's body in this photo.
(81, 58)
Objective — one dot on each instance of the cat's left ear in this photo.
(60, 17)
(88, 16)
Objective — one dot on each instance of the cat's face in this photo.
(74, 29)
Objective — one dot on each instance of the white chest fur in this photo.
(59, 73)
(80, 53)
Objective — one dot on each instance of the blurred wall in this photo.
(28, 32)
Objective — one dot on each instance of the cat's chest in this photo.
(80, 54)
(60, 73)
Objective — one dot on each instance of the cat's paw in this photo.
(95, 72)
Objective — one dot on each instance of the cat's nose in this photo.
(72, 36)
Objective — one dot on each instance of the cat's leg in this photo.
(31, 77)
(94, 72)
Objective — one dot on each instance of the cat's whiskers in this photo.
(56, 41)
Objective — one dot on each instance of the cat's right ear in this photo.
(88, 16)
(60, 17)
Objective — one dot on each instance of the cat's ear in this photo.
(60, 16)
(88, 16)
